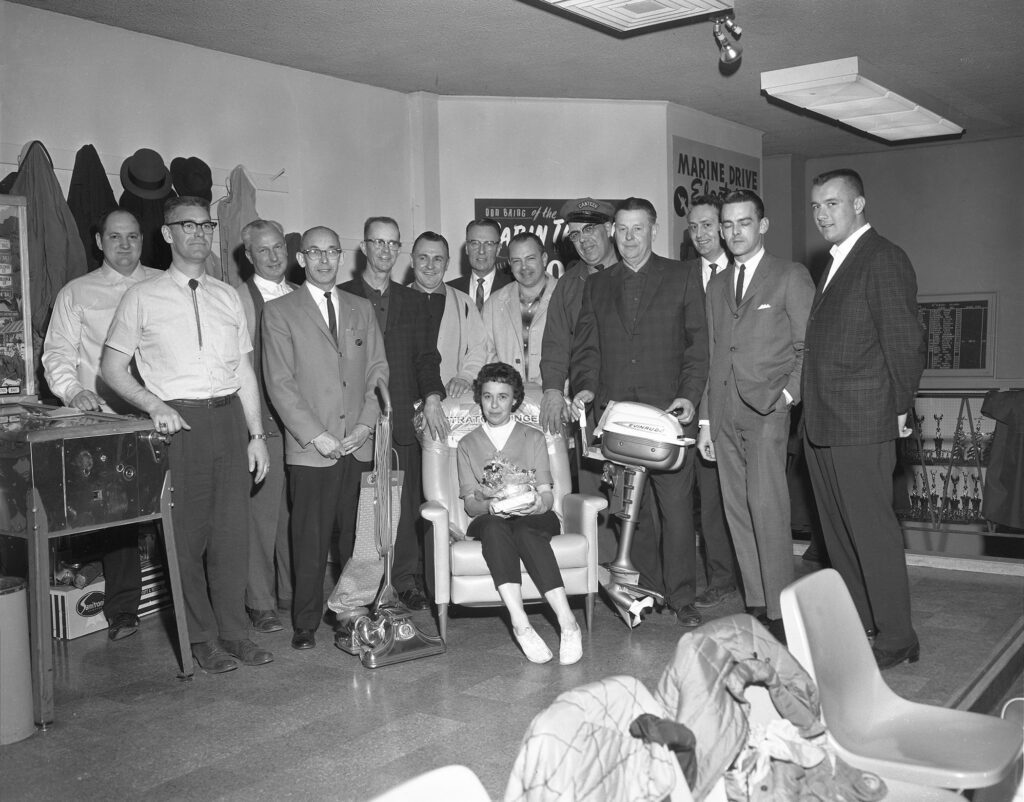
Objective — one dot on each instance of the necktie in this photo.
(714, 269)
(193, 284)
(479, 295)
(332, 320)
(739, 285)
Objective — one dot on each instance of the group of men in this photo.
(245, 381)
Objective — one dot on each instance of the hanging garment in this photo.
(55, 253)
(1004, 480)
(89, 198)
(234, 212)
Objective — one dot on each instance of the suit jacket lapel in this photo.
(763, 268)
(309, 307)
(620, 301)
(843, 270)
(655, 277)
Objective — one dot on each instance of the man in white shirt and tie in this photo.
(268, 589)
(719, 559)
(483, 239)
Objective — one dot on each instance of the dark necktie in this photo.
(193, 284)
(714, 269)
(479, 295)
(332, 320)
(739, 285)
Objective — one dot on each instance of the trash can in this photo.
(16, 717)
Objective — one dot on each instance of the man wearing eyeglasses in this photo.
(188, 335)
(268, 588)
(589, 223)
(455, 323)
(415, 367)
(81, 316)
(483, 239)
(328, 413)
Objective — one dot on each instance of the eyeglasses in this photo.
(322, 254)
(588, 230)
(190, 226)
(385, 244)
(482, 244)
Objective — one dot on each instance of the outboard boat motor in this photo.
(635, 438)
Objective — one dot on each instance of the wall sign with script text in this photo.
(960, 331)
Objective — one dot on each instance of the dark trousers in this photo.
(322, 499)
(506, 541)
(210, 477)
(122, 573)
(666, 556)
(270, 562)
(853, 490)
(406, 570)
(719, 559)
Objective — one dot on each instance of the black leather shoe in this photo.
(264, 621)
(123, 626)
(303, 639)
(688, 616)
(414, 599)
(712, 597)
(887, 658)
(212, 658)
(247, 652)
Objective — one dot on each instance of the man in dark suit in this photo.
(268, 588)
(483, 239)
(415, 367)
(757, 313)
(323, 355)
(864, 358)
(719, 559)
(642, 336)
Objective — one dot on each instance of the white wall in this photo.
(343, 146)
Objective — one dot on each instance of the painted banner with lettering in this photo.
(699, 169)
(539, 216)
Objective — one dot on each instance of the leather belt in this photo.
(216, 401)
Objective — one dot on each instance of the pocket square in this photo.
(764, 306)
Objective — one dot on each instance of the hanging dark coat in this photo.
(89, 198)
(55, 252)
(1004, 479)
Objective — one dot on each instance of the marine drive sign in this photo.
(537, 216)
(699, 169)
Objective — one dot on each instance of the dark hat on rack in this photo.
(192, 177)
(587, 210)
(145, 175)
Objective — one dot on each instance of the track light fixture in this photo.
(729, 52)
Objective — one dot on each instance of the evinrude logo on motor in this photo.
(641, 427)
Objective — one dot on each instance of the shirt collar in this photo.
(268, 287)
(839, 250)
(751, 262)
(420, 288)
(316, 292)
(182, 280)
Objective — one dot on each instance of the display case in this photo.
(940, 480)
(17, 367)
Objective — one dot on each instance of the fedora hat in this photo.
(192, 177)
(144, 174)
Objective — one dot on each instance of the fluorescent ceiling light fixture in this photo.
(841, 90)
(627, 16)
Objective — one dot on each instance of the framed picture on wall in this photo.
(17, 369)
(960, 329)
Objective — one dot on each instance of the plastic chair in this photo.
(460, 574)
(870, 726)
(439, 785)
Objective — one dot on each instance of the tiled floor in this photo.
(317, 725)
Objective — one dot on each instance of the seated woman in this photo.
(511, 511)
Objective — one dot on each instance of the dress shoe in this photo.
(247, 651)
(712, 597)
(532, 644)
(688, 616)
(570, 649)
(212, 658)
(123, 626)
(264, 621)
(303, 639)
(887, 658)
(414, 599)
